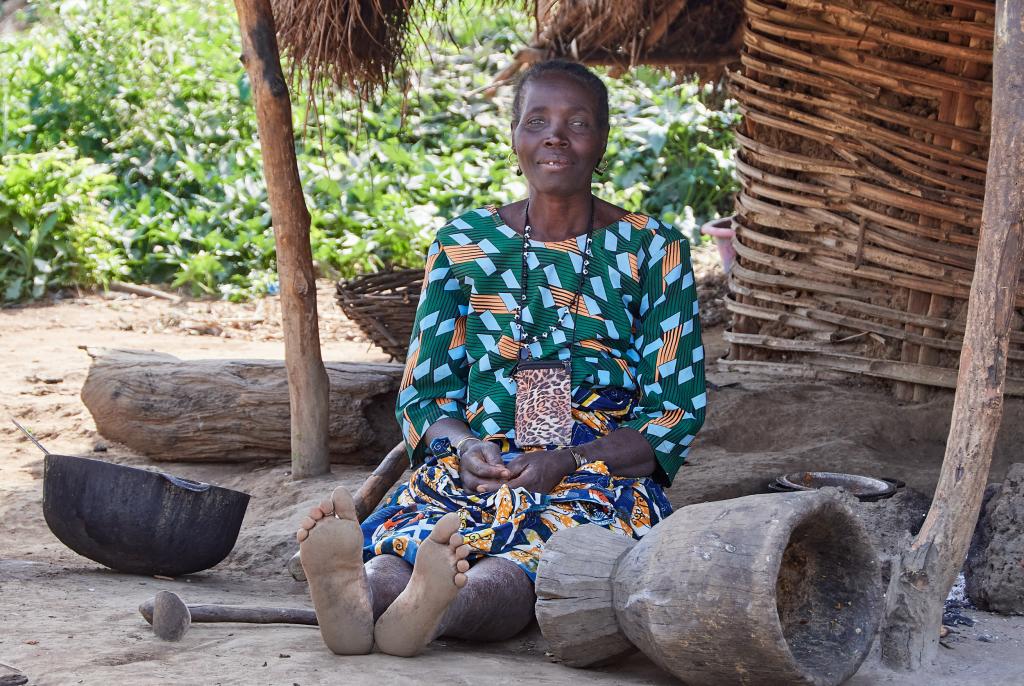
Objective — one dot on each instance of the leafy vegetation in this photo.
(128, 151)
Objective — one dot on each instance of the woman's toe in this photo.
(455, 541)
(462, 552)
(462, 566)
(301, 535)
(460, 580)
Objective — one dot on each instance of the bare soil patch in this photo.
(65, 619)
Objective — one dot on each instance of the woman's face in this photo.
(559, 138)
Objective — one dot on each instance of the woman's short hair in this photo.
(560, 67)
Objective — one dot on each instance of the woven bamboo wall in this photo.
(862, 162)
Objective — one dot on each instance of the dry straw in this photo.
(688, 36)
(360, 45)
(348, 44)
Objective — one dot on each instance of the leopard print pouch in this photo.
(543, 403)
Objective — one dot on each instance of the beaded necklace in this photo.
(525, 339)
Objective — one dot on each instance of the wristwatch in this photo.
(580, 458)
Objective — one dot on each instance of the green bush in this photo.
(154, 93)
(54, 229)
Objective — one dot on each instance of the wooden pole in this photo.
(929, 566)
(307, 380)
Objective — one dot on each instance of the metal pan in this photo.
(865, 488)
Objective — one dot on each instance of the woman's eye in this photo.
(579, 124)
(535, 122)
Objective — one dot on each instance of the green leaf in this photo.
(13, 290)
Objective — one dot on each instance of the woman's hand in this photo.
(481, 467)
(540, 471)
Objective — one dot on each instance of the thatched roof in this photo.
(691, 36)
(355, 44)
(359, 44)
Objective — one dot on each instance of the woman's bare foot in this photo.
(412, 620)
(331, 550)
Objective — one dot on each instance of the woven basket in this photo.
(384, 307)
(862, 159)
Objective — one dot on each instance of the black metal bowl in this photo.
(138, 521)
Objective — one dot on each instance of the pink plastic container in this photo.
(721, 230)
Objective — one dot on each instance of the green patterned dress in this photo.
(637, 362)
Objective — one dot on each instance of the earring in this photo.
(600, 169)
(519, 170)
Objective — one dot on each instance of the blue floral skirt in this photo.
(514, 523)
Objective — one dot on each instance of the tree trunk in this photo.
(233, 410)
(307, 380)
(930, 565)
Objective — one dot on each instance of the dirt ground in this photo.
(67, 620)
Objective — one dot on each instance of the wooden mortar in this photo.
(780, 588)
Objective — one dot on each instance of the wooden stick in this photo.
(247, 615)
(891, 197)
(843, 103)
(380, 481)
(958, 109)
(966, 114)
(661, 23)
(913, 20)
(144, 291)
(903, 79)
(926, 570)
(924, 45)
(909, 372)
(307, 379)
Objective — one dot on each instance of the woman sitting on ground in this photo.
(555, 378)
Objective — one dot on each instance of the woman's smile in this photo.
(555, 163)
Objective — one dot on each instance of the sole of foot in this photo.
(331, 550)
(411, 622)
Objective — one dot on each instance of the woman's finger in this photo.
(516, 466)
(476, 464)
(469, 482)
(488, 486)
(524, 480)
(492, 454)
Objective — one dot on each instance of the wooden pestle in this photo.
(366, 499)
(233, 613)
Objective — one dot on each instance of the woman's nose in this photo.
(557, 135)
(556, 140)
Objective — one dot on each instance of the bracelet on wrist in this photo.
(462, 442)
(578, 456)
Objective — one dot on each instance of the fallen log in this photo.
(233, 410)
